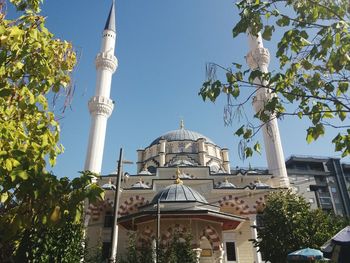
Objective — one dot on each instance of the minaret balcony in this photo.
(258, 57)
(107, 61)
(99, 105)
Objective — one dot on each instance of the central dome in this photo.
(178, 193)
(181, 135)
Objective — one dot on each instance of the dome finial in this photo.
(182, 125)
(178, 173)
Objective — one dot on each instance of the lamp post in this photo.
(116, 188)
(158, 230)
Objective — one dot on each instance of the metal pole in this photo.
(158, 229)
(114, 234)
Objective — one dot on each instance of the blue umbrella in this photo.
(305, 254)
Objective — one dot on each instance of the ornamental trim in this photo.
(106, 61)
(99, 105)
(258, 57)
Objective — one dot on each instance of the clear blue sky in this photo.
(162, 48)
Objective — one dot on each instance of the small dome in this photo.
(178, 193)
(140, 185)
(260, 185)
(226, 184)
(145, 172)
(181, 135)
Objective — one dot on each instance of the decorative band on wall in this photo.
(131, 205)
(99, 207)
(238, 204)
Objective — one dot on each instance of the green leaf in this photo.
(240, 131)
(4, 197)
(306, 64)
(247, 134)
(267, 33)
(257, 147)
(309, 137)
(337, 39)
(248, 152)
(342, 115)
(19, 172)
(8, 165)
(283, 21)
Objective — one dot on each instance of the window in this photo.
(334, 190)
(325, 201)
(108, 220)
(151, 169)
(231, 251)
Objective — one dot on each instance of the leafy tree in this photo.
(287, 224)
(61, 242)
(33, 202)
(179, 249)
(312, 82)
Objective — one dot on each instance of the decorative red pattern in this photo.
(131, 205)
(213, 237)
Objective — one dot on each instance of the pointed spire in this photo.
(110, 23)
(182, 124)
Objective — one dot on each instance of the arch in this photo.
(145, 237)
(96, 209)
(131, 205)
(212, 236)
(181, 160)
(168, 234)
(238, 204)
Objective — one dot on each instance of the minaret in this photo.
(259, 58)
(100, 105)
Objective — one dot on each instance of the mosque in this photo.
(184, 182)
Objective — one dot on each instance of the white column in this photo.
(259, 58)
(256, 253)
(100, 109)
(139, 160)
(201, 152)
(162, 153)
(101, 106)
(225, 159)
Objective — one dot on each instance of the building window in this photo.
(334, 190)
(106, 249)
(325, 201)
(231, 251)
(108, 220)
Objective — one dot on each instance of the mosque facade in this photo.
(183, 181)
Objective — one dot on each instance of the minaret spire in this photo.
(110, 23)
(259, 58)
(100, 105)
